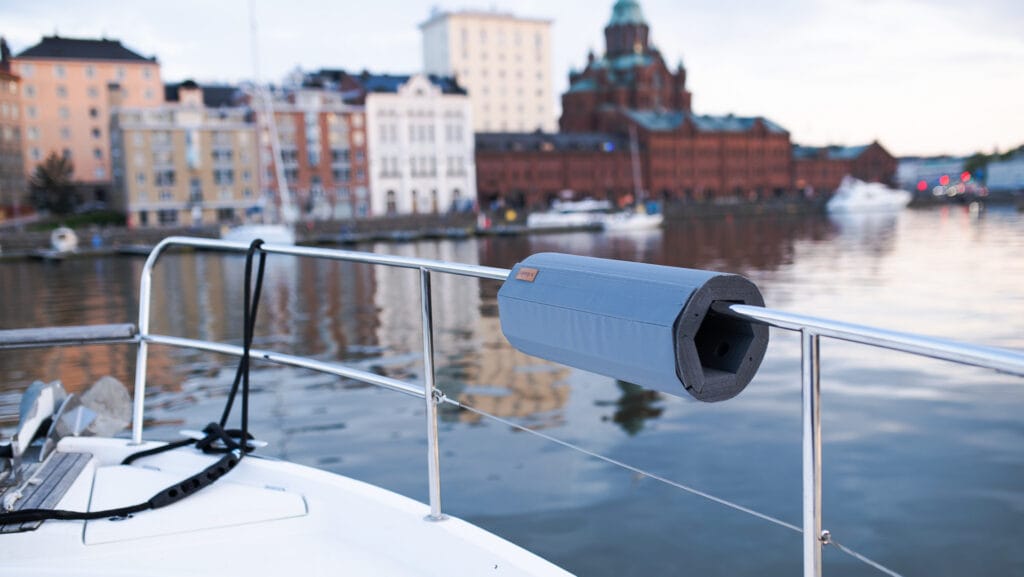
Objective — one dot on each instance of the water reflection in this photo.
(634, 407)
(903, 436)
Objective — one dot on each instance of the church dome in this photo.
(626, 12)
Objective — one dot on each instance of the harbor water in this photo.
(923, 460)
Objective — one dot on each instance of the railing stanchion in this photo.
(810, 371)
(433, 453)
(145, 295)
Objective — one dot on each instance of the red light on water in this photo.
(922, 185)
(944, 180)
(965, 176)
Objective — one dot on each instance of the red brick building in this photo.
(823, 168)
(626, 101)
(323, 153)
(532, 169)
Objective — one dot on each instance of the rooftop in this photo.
(437, 15)
(214, 95)
(372, 82)
(664, 121)
(831, 152)
(56, 47)
(549, 141)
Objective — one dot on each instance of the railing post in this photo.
(811, 416)
(145, 295)
(433, 453)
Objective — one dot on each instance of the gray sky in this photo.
(921, 76)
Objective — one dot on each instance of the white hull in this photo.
(270, 233)
(266, 517)
(855, 196)
(563, 220)
(623, 221)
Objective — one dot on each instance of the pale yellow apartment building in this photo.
(190, 162)
(502, 60)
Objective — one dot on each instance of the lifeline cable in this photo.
(233, 450)
(775, 520)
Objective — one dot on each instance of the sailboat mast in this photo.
(286, 213)
(634, 153)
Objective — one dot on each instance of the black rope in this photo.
(232, 443)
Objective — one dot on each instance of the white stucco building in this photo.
(502, 60)
(420, 144)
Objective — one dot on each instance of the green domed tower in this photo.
(627, 31)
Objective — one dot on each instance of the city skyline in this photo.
(921, 77)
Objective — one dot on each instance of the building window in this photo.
(225, 215)
(164, 177)
(94, 93)
(30, 91)
(223, 176)
(120, 72)
(62, 91)
(65, 133)
(167, 217)
(93, 112)
(59, 71)
(96, 133)
(97, 153)
(140, 178)
(90, 71)
(147, 73)
(64, 113)
(35, 154)
(195, 190)
(27, 70)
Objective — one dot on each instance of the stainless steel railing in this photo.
(811, 330)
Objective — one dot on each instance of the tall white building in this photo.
(420, 144)
(502, 60)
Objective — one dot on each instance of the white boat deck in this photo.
(265, 517)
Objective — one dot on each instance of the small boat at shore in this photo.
(579, 214)
(855, 195)
(78, 499)
(590, 214)
(632, 220)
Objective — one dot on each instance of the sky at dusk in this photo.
(920, 76)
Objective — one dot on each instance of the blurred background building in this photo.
(503, 61)
(64, 85)
(189, 161)
(12, 171)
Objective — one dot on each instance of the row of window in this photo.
(29, 91)
(28, 70)
(32, 133)
(338, 174)
(517, 36)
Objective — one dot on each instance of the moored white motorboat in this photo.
(631, 220)
(855, 195)
(581, 214)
